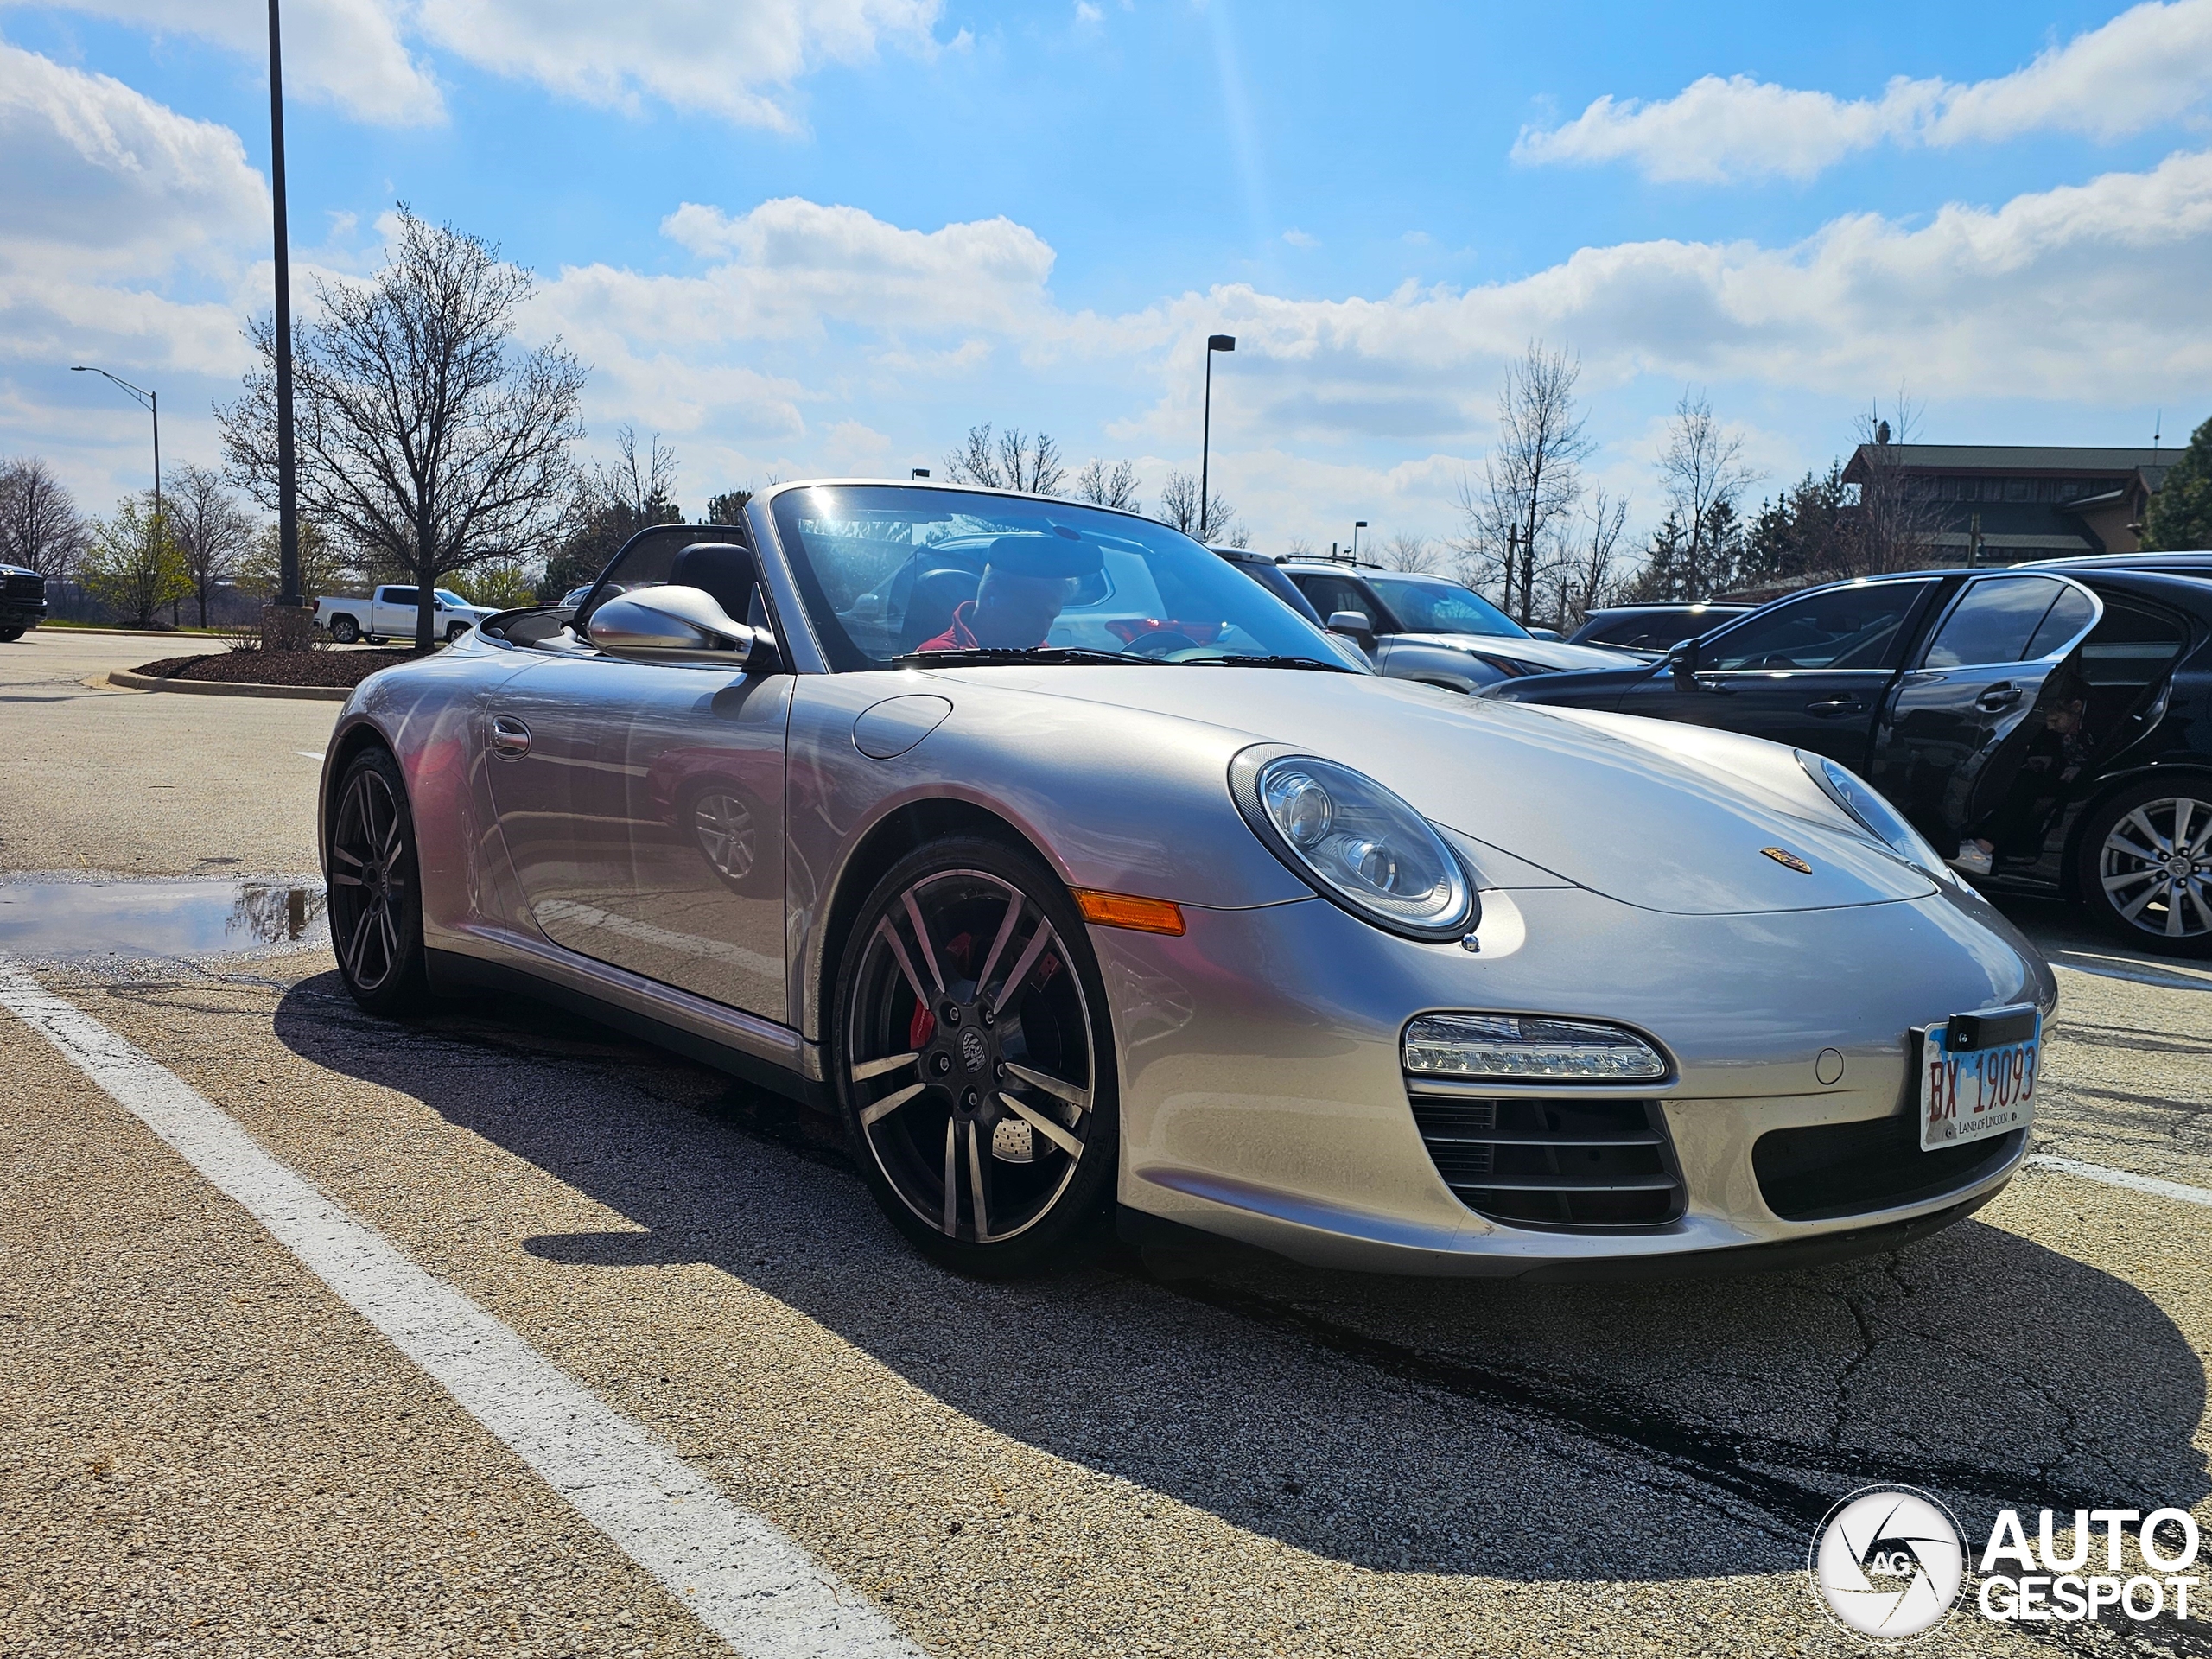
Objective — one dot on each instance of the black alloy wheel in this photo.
(2145, 869)
(376, 898)
(345, 630)
(973, 1059)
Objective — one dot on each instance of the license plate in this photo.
(1978, 1076)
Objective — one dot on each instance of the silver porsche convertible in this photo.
(1084, 880)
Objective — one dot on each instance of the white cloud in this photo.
(1088, 15)
(734, 59)
(345, 51)
(1301, 238)
(2148, 65)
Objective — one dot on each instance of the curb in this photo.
(59, 631)
(127, 681)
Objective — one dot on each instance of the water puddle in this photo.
(46, 919)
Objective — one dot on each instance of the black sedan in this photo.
(2055, 724)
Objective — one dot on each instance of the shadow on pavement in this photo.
(1654, 1431)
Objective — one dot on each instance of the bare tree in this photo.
(1704, 475)
(1299, 548)
(1531, 481)
(40, 526)
(1586, 578)
(212, 532)
(426, 436)
(1892, 524)
(1011, 463)
(1416, 554)
(1114, 488)
(1178, 506)
(645, 484)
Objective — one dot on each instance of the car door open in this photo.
(1995, 675)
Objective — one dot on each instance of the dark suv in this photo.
(2053, 724)
(22, 600)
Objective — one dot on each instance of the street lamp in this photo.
(288, 595)
(150, 401)
(1214, 343)
(1357, 524)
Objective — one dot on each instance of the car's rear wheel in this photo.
(973, 1059)
(345, 630)
(2146, 866)
(376, 896)
(9, 634)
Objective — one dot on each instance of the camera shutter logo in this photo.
(1888, 1563)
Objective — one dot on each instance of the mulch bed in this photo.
(344, 668)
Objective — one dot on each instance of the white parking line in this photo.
(742, 1576)
(2174, 981)
(307, 754)
(2122, 1178)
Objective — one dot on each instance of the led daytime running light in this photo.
(1515, 1047)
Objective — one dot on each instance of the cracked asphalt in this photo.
(1193, 1452)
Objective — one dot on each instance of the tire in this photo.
(454, 630)
(374, 638)
(9, 634)
(376, 893)
(2141, 881)
(345, 630)
(925, 1076)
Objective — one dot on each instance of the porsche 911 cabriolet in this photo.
(1085, 878)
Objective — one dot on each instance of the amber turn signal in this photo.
(1125, 910)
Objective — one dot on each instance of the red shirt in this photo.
(959, 636)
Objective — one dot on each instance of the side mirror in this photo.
(1356, 626)
(680, 624)
(1684, 663)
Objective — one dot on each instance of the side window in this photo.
(1843, 627)
(2069, 613)
(400, 596)
(1993, 621)
(2132, 647)
(1332, 594)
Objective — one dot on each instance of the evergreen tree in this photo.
(2181, 514)
(1665, 577)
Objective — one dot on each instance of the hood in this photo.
(1646, 826)
(1553, 654)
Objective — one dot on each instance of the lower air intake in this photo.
(1555, 1163)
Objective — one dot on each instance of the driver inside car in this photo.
(1027, 579)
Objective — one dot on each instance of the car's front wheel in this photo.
(973, 1060)
(2145, 868)
(9, 634)
(376, 896)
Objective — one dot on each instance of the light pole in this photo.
(288, 596)
(148, 401)
(1214, 343)
(1357, 524)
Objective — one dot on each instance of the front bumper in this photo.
(1262, 1096)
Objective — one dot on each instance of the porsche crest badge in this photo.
(1788, 860)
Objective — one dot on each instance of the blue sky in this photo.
(801, 236)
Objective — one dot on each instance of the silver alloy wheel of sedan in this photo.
(2155, 867)
(970, 1058)
(722, 824)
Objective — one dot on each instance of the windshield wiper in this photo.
(986, 656)
(1227, 659)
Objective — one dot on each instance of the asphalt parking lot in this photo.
(211, 1452)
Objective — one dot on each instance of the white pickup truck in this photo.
(388, 613)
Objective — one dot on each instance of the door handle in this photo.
(509, 737)
(1830, 708)
(1998, 698)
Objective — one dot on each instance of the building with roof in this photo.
(2001, 503)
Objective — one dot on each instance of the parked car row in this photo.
(1082, 878)
(2051, 722)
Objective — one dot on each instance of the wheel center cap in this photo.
(975, 1052)
(2178, 866)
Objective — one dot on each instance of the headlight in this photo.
(1356, 842)
(1514, 1046)
(1876, 815)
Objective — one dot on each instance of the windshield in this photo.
(1443, 607)
(890, 572)
(447, 596)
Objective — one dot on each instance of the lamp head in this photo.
(1221, 342)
